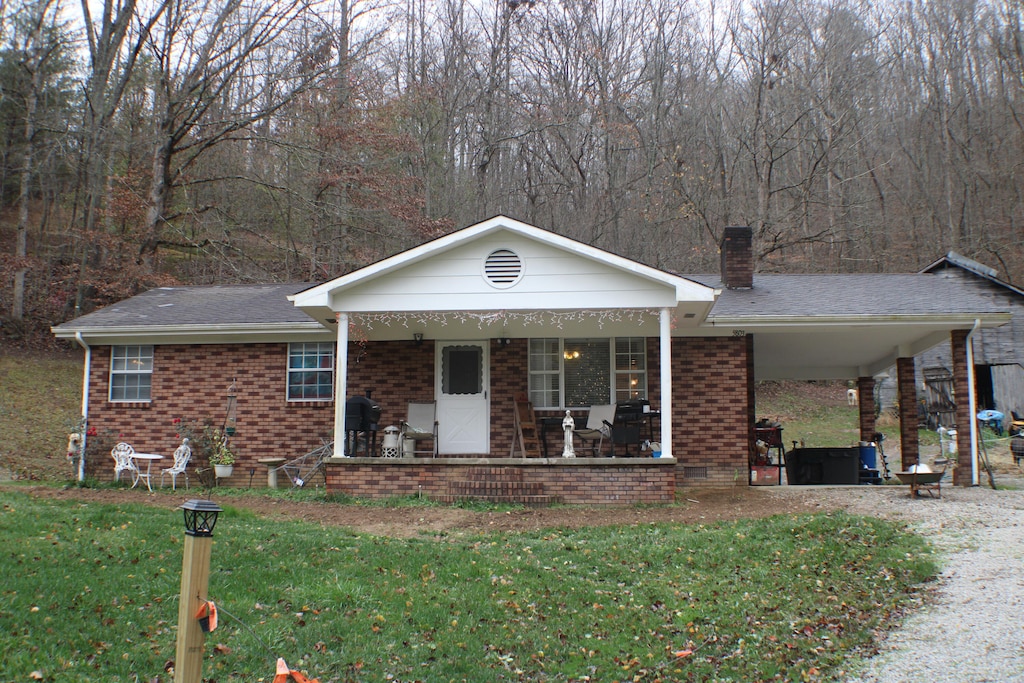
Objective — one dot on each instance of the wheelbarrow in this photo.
(931, 482)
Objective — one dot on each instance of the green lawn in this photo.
(40, 404)
(90, 593)
(817, 414)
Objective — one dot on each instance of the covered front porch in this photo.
(503, 312)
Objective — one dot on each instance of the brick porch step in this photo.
(497, 485)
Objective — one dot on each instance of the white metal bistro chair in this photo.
(122, 454)
(182, 454)
(420, 425)
(599, 427)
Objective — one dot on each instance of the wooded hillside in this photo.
(158, 141)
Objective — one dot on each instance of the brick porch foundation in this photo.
(573, 481)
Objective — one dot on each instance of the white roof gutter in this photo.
(791, 321)
(190, 333)
(85, 404)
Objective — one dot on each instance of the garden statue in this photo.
(568, 425)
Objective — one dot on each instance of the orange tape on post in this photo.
(286, 675)
(207, 616)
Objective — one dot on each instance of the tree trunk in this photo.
(36, 54)
(159, 195)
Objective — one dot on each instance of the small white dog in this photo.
(74, 445)
(851, 397)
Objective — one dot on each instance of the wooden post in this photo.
(195, 576)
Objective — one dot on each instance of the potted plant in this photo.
(221, 456)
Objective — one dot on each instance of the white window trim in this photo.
(126, 372)
(289, 370)
(613, 372)
(616, 372)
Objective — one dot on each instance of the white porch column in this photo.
(665, 339)
(340, 384)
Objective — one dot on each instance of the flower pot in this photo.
(223, 471)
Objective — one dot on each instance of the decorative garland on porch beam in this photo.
(637, 316)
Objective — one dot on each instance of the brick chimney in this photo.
(738, 257)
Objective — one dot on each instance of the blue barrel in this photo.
(867, 455)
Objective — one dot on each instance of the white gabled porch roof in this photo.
(454, 275)
(505, 278)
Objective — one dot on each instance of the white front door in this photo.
(463, 409)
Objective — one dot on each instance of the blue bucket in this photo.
(867, 456)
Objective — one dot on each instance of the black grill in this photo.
(362, 414)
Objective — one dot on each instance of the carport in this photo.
(856, 327)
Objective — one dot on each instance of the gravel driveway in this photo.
(973, 630)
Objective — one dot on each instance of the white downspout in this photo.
(666, 382)
(340, 385)
(85, 403)
(972, 402)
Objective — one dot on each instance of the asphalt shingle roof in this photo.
(871, 294)
(772, 295)
(199, 305)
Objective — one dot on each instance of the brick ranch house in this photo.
(498, 311)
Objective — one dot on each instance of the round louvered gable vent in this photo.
(503, 268)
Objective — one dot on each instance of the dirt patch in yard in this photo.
(695, 506)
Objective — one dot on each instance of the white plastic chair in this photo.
(420, 425)
(182, 454)
(599, 426)
(122, 454)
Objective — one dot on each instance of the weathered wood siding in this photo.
(1002, 348)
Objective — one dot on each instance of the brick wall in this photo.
(712, 394)
(509, 380)
(712, 398)
(570, 482)
(737, 257)
(866, 398)
(190, 382)
(909, 454)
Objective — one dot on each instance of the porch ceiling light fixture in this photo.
(418, 338)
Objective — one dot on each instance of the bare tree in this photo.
(114, 46)
(41, 42)
(210, 88)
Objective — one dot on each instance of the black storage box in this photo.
(823, 466)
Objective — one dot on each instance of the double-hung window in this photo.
(630, 368)
(131, 373)
(311, 371)
(578, 373)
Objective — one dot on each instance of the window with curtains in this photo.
(311, 371)
(578, 373)
(131, 373)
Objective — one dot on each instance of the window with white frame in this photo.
(131, 373)
(578, 373)
(630, 368)
(311, 371)
(545, 373)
